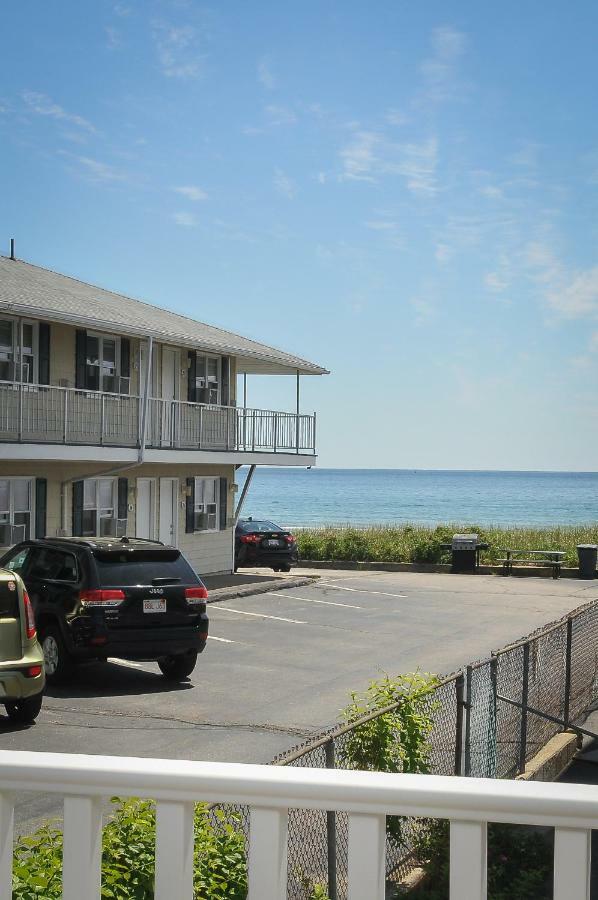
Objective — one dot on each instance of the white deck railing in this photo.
(33, 413)
(270, 791)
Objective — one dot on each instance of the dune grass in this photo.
(421, 543)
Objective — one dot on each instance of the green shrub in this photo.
(220, 871)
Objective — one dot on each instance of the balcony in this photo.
(269, 792)
(42, 414)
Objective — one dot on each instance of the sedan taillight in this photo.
(29, 617)
(110, 597)
(196, 595)
(290, 538)
(250, 539)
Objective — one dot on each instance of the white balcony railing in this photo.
(57, 415)
(270, 791)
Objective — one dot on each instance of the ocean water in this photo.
(316, 496)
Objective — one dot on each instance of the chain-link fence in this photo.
(487, 721)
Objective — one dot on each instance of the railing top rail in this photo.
(465, 799)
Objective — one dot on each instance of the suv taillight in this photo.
(195, 594)
(29, 617)
(110, 597)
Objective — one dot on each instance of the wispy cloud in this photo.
(178, 50)
(43, 105)
(396, 117)
(114, 39)
(185, 219)
(265, 75)
(95, 170)
(424, 310)
(578, 296)
(440, 68)
(359, 156)
(280, 115)
(191, 192)
(369, 156)
(284, 185)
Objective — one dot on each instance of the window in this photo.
(205, 507)
(16, 500)
(100, 504)
(207, 378)
(17, 562)
(103, 364)
(54, 565)
(18, 351)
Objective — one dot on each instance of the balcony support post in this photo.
(146, 390)
(297, 417)
(65, 413)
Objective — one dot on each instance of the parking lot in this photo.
(279, 665)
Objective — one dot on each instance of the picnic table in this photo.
(552, 558)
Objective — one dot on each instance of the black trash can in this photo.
(587, 555)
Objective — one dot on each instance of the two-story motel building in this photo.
(118, 417)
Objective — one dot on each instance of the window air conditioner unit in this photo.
(11, 534)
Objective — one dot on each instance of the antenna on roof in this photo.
(12, 248)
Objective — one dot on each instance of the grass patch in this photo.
(421, 543)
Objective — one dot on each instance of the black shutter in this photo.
(223, 502)
(125, 358)
(80, 358)
(123, 496)
(191, 373)
(189, 507)
(41, 497)
(77, 508)
(44, 353)
(225, 380)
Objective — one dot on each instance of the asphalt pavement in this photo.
(279, 665)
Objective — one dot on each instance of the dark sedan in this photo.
(262, 543)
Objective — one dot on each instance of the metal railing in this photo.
(48, 414)
(367, 798)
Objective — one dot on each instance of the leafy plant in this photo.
(220, 870)
(396, 740)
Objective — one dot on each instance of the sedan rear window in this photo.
(259, 527)
(9, 600)
(143, 567)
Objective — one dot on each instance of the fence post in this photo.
(467, 748)
(331, 830)
(568, 661)
(524, 702)
(460, 702)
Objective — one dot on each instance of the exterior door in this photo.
(145, 525)
(169, 510)
(170, 371)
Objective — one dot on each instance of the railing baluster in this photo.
(81, 867)
(174, 851)
(7, 815)
(367, 852)
(572, 864)
(468, 855)
(268, 854)
(65, 426)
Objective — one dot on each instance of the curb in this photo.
(247, 590)
(440, 568)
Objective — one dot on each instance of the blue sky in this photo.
(405, 193)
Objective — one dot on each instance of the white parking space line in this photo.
(311, 600)
(243, 612)
(338, 587)
(125, 662)
(212, 637)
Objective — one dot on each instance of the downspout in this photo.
(142, 439)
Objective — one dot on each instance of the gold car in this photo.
(22, 677)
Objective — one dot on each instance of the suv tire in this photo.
(57, 662)
(179, 667)
(25, 710)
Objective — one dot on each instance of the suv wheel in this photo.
(57, 662)
(25, 710)
(178, 667)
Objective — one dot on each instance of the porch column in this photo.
(297, 418)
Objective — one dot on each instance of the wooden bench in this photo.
(550, 558)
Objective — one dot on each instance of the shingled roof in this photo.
(29, 290)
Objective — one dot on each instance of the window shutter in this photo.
(123, 495)
(125, 358)
(225, 379)
(191, 373)
(80, 358)
(44, 353)
(189, 506)
(41, 497)
(77, 508)
(223, 502)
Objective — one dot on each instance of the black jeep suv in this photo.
(100, 597)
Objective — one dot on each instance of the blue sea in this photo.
(295, 497)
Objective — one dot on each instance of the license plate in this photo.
(273, 543)
(157, 605)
